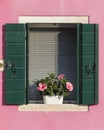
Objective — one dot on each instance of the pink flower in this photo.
(69, 86)
(61, 76)
(42, 87)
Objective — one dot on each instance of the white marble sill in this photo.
(52, 107)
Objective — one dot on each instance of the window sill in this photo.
(51, 107)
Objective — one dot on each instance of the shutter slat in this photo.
(15, 97)
(87, 59)
(15, 77)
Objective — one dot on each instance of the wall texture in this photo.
(10, 118)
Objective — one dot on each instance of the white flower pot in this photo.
(53, 99)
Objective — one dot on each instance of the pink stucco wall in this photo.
(10, 117)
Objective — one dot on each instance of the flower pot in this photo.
(53, 99)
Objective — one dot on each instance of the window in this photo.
(52, 48)
(85, 61)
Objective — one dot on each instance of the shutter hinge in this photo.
(25, 36)
(1, 65)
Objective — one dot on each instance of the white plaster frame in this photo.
(53, 19)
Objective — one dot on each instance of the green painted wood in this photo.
(85, 73)
(15, 97)
(19, 59)
(27, 63)
(17, 49)
(87, 84)
(87, 49)
(96, 63)
(88, 97)
(14, 27)
(17, 37)
(88, 59)
(15, 75)
(88, 28)
(20, 73)
(87, 37)
(11, 85)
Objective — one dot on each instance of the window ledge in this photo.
(51, 107)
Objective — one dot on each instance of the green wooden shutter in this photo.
(15, 73)
(87, 61)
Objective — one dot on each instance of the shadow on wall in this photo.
(3, 57)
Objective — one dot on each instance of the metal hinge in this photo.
(1, 65)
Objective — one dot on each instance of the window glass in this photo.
(51, 50)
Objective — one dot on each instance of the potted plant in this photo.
(53, 88)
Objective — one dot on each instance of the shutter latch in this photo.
(7, 65)
(13, 67)
(88, 69)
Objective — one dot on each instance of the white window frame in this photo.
(53, 19)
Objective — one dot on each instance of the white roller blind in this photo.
(43, 53)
